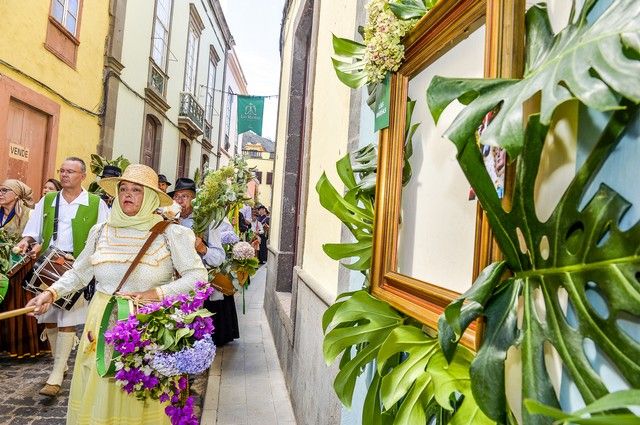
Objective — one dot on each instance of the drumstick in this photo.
(18, 312)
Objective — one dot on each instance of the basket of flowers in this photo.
(157, 348)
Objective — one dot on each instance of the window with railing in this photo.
(190, 108)
(211, 83)
(229, 110)
(161, 27)
(191, 62)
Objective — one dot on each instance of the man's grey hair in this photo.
(83, 166)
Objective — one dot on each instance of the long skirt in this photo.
(95, 400)
(225, 320)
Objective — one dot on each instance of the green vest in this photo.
(85, 219)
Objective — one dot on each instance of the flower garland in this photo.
(383, 39)
(160, 346)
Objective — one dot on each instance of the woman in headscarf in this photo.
(109, 251)
(15, 204)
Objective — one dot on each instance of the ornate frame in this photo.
(443, 27)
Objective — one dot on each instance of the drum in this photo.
(47, 269)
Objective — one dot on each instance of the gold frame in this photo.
(443, 27)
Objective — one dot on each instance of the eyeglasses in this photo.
(4, 190)
(185, 196)
(69, 172)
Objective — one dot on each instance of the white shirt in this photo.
(215, 254)
(66, 213)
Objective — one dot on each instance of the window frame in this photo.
(156, 19)
(59, 40)
(210, 97)
(448, 23)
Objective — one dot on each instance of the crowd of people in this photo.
(102, 235)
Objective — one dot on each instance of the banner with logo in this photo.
(250, 109)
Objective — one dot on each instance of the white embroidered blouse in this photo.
(109, 257)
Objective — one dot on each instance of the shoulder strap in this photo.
(157, 229)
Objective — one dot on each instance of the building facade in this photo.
(260, 155)
(165, 71)
(51, 97)
(236, 85)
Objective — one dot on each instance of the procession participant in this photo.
(210, 249)
(16, 204)
(163, 183)
(63, 220)
(109, 171)
(51, 185)
(109, 253)
(264, 218)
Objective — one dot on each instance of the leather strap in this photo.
(157, 229)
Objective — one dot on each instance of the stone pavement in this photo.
(246, 385)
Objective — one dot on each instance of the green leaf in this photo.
(348, 62)
(424, 377)
(614, 401)
(411, 9)
(360, 320)
(585, 60)
(468, 307)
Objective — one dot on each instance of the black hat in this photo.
(163, 179)
(111, 171)
(183, 183)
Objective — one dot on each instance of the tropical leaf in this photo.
(424, 383)
(348, 62)
(360, 323)
(593, 62)
(411, 9)
(611, 402)
(576, 251)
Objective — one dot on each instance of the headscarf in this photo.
(23, 194)
(144, 220)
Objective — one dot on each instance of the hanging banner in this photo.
(382, 104)
(250, 109)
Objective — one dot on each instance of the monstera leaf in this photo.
(411, 9)
(578, 253)
(424, 382)
(348, 62)
(357, 171)
(360, 322)
(593, 62)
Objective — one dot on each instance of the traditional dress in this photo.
(96, 400)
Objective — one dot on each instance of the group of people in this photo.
(104, 234)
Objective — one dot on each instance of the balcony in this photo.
(191, 116)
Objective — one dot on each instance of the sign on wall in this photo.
(250, 110)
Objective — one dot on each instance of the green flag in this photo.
(250, 110)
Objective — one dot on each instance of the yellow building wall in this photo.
(24, 24)
(264, 189)
(328, 140)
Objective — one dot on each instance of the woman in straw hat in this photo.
(109, 251)
(15, 203)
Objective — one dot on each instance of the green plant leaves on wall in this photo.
(412, 382)
(348, 62)
(575, 252)
(592, 62)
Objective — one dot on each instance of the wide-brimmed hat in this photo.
(183, 183)
(140, 174)
(163, 179)
(110, 171)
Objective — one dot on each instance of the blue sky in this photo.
(255, 25)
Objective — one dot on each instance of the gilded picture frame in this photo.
(449, 22)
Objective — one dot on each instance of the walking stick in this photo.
(16, 312)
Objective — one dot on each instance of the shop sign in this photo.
(18, 152)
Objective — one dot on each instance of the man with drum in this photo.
(63, 220)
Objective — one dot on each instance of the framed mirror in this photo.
(431, 238)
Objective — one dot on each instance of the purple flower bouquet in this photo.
(160, 346)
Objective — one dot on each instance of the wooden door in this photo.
(26, 145)
(149, 145)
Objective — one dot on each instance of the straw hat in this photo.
(140, 174)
